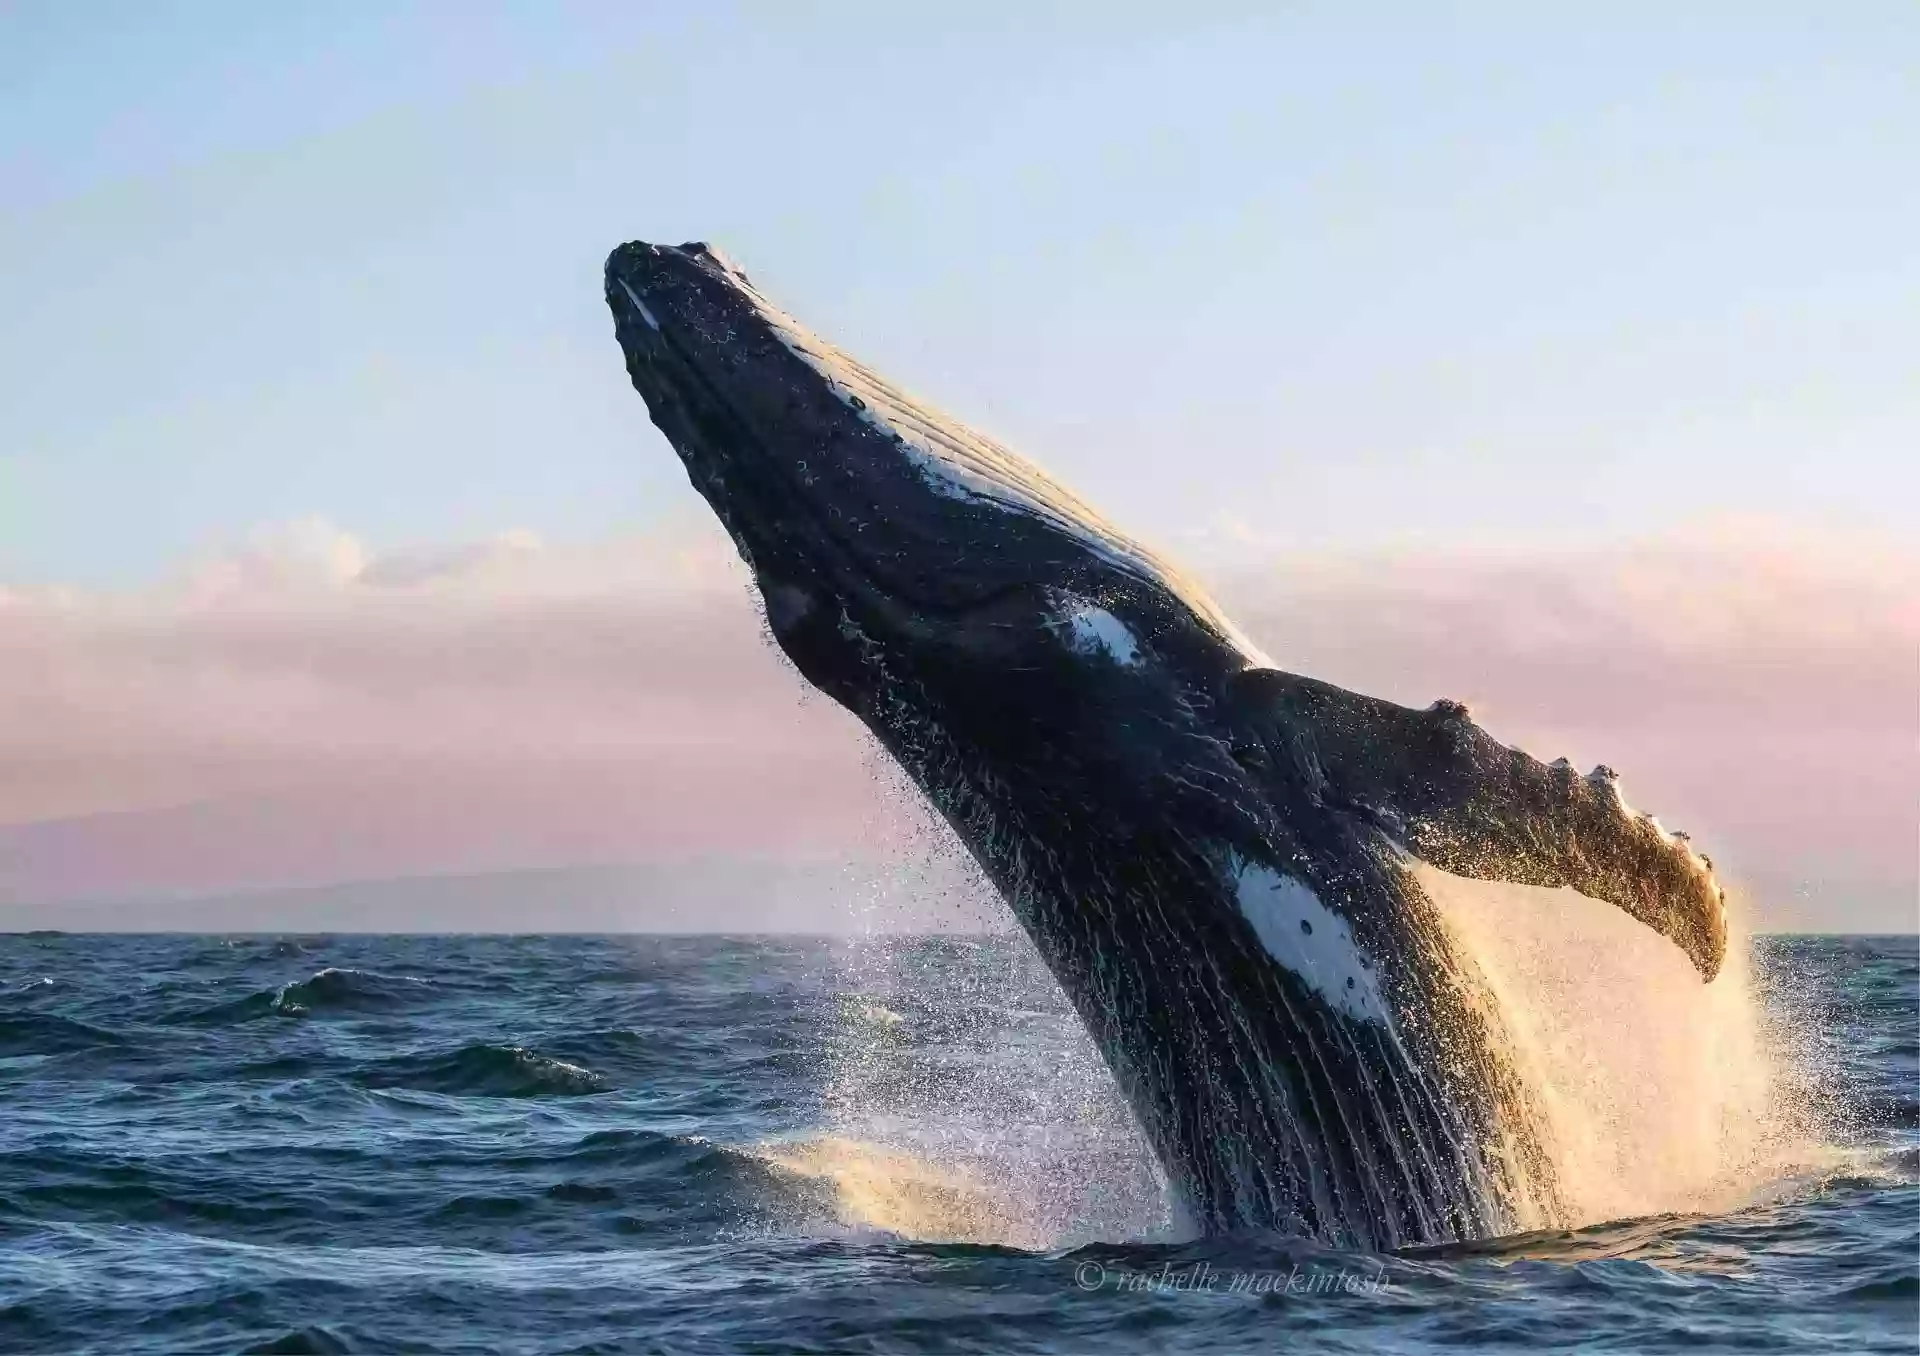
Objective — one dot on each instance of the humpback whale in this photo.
(1214, 857)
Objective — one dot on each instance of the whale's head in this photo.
(916, 571)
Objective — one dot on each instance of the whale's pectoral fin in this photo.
(1451, 794)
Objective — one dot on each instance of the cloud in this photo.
(422, 565)
(303, 709)
(465, 708)
(306, 554)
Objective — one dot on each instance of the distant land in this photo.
(937, 892)
(704, 895)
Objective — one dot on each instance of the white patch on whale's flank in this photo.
(639, 305)
(959, 463)
(1094, 630)
(1320, 954)
(1097, 628)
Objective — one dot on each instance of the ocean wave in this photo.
(485, 1070)
(309, 1341)
(353, 990)
(249, 951)
(633, 1146)
(1894, 1286)
(331, 989)
(254, 1006)
(46, 1034)
(770, 1167)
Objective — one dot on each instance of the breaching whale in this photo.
(1213, 856)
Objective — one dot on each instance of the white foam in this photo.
(960, 463)
(1322, 953)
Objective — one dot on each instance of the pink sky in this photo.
(296, 711)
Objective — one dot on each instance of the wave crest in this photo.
(46, 1034)
(485, 1070)
(331, 989)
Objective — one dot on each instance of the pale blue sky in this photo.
(1354, 275)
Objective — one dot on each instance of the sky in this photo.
(1569, 358)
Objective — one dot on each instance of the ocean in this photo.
(778, 1144)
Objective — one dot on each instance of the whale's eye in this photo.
(1306, 927)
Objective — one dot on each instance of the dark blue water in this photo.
(477, 1144)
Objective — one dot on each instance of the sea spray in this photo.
(1642, 1090)
(906, 1195)
(1648, 1091)
(963, 1099)
(965, 1102)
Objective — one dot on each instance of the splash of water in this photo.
(966, 1103)
(900, 1193)
(1649, 1091)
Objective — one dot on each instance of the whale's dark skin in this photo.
(1146, 791)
